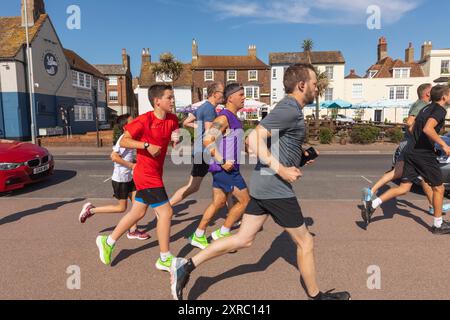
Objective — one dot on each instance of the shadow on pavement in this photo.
(48, 207)
(59, 176)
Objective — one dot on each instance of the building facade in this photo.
(63, 82)
(119, 86)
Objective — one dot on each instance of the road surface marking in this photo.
(367, 180)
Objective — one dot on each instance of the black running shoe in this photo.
(330, 295)
(444, 229)
(367, 212)
(179, 278)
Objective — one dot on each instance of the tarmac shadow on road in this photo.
(48, 207)
(282, 247)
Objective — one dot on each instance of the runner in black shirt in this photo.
(420, 159)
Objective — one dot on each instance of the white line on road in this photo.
(107, 180)
(367, 180)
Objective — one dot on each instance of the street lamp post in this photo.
(30, 77)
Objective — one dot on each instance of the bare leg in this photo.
(236, 212)
(438, 200)
(392, 175)
(401, 190)
(219, 200)
(305, 258)
(428, 192)
(120, 207)
(136, 213)
(165, 214)
(192, 187)
(243, 239)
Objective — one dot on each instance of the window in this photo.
(113, 81)
(163, 78)
(88, 81)
(329, 70)
(401, 73)
(205, 93)
(274, 73)
(101, 86)
(231, 75)
(252, 93)
(329, 94)
(274, 93)
(83, 113)
(81, 80)
(74, 78)
(399, 93)
(445, 67)
(113, 96)
(209, 75)
(253, 75)
(357, 91)
(372, 73)
(101, 114)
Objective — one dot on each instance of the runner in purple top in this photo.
(225, 142)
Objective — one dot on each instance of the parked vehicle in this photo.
(444, 162)
(23, 163)
(343, 119)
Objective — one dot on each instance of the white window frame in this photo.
(163, 78)
(372, 73)
(79, 80)
(394, 92)
(250, 78)
(274, 93)
(274, 73)
(228, 75)
(109, 95)
(83, 113)
(401, 73)
(357, 93)
(328, 73)
(212, 75)
(101, 112)
(327, 93)
(113, 80)
(255, 92)
(445, 70)
(101, 85)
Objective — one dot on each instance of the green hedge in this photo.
(325, 136)
(394, 134)
(365, 134)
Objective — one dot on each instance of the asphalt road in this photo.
(41, 238)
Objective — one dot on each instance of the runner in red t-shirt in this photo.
(150, 134)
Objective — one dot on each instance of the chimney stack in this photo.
(252, 51)
(194, 50)
(382, 48)
(34, 9)
(146, 57)
(409, 54)
(426, 50)
(125, 59)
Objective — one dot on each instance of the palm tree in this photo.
(307, 47)
(322, 85)
(168, 67)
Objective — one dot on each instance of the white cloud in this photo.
(311, 11)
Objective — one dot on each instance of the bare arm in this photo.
(128, 142)
(190, 121)
(218, 127)
(115, 157)
(430, 131)
(410, 122)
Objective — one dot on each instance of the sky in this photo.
(229, 27)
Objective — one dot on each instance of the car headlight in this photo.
(9, 166)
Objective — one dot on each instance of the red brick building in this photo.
(247, 70)
(119, 87)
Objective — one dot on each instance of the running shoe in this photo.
(86, 212)
(330, 295)
(444, 229)
(445, 209)
(216, 235)
(367, 194)
(199, 242)
(367, 211)
(138, 235)
(104, 249)
(179, 277)
(164, 265)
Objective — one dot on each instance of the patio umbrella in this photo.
(336, 104)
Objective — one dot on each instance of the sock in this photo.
(438, 222)
(165, 255)
(189, 266)
(199, 233)
(376, 203)
(110, 241)
(224, 230)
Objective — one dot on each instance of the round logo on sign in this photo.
(50, 63)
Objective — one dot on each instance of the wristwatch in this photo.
(146, 145)
(222, 162)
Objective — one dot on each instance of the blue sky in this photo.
(228, 27)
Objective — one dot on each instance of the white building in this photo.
(182, 86)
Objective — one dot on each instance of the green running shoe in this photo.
(217, 235)
(199, 242)
(104, 249)
(164, 265)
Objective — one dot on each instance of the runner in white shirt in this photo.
(122, 183)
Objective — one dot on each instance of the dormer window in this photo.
(162, 77)
(372, 73)
(401, 73)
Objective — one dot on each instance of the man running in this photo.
(424, 93)
(271, 186)
(201, 120)
(150, 134)
(228, 132)
(420, 160)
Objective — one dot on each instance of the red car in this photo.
(23, 163)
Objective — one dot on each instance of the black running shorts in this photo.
(424, 167)
(285, 212)
(123, 190)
